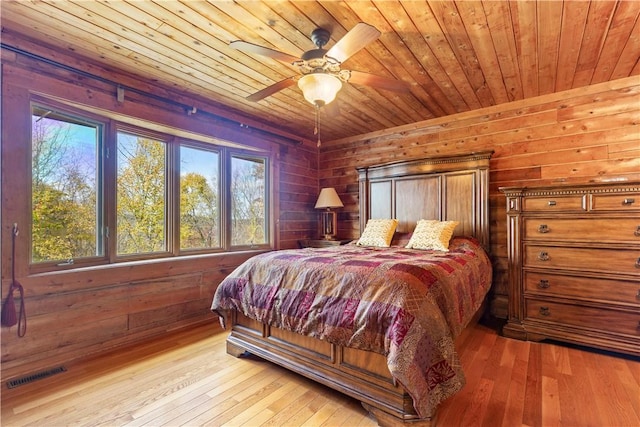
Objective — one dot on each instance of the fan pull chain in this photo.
(316, 130)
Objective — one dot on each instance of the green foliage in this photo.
(199, 215)
(63, 199)
(62, 228)
(141, 196)
(247, 202)
(67, 195)
(51, 216)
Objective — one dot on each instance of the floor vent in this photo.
(35, 377)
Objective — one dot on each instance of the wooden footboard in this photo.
(360, 374)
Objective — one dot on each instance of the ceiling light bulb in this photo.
(319, 88)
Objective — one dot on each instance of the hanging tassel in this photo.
(9, 316)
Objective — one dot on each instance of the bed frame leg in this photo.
(235, 350)
(385, 419)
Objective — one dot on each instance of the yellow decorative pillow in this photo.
(432, 234)
(378, 232)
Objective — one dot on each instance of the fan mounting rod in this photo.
(320, 37)
(315, 60)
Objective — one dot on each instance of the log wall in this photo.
(76, 313)
(581, 135)
(589, 134)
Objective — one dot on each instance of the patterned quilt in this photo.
(404, 303)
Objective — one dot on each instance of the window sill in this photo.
(169, 264)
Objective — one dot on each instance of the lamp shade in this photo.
(328, 198)
(319, 88)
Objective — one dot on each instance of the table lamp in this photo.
(327, 200)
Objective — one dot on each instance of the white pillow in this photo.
(378, 232)
(432, 234)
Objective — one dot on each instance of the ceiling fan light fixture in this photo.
(319, 88)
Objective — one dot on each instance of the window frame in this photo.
(108, 188)
(210, 148)
(55, 265)
(267, 203)
(168, 158)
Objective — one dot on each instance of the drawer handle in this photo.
(544, 284)
(628, 201)
(544, 311)
(551, 203)
(544, 228)
(638, 263)
(544, 256)
(637, 232)
(638, 295)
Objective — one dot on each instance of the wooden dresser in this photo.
(574, 264)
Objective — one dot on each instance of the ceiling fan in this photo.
(321, 75)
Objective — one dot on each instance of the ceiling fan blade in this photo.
(357, 38)
(270, 90)
(360, 78)
(264, 51)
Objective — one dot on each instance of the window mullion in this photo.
(109, 175)
(173, 197)
(225, 205)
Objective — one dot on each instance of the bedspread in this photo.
(406, 304)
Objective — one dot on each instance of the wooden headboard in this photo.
(454, 188)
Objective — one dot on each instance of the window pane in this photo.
(65, 177)
(140, 195)
(248, 210)
(199, 199)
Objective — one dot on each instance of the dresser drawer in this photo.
(620, 322)
(623, 230)
(554, 203)
(616, 202)
(616, 261)
(587, 288)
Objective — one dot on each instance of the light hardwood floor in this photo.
(186, 378)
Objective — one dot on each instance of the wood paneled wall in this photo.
(589, 134)
(576, 136)
(75, 313)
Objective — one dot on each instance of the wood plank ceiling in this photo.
(456, 56)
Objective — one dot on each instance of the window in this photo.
(140, 195)
(199, 198)
(66, 196)
(157, 195)
(248, 213)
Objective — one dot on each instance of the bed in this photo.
(375, 323)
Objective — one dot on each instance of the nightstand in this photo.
(322, 243)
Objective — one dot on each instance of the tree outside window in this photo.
(199, 198)
(166, 195)
(140, 195)
(65, 180)
(248, 195)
